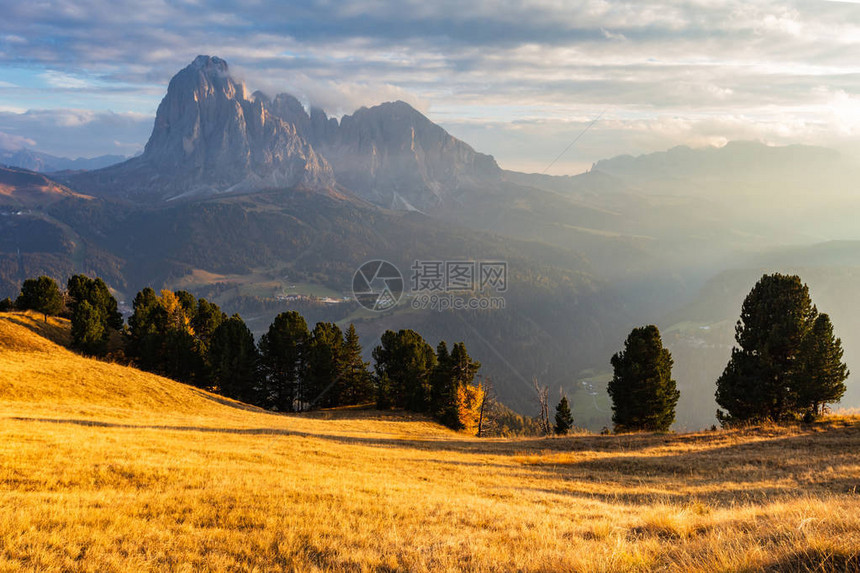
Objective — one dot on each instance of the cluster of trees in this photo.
(191, 340)
(293, 368)
(411, 375)
(93, 312)
(787, 365)
(86, 301)
(320, 368)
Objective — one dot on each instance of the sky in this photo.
(518, 80)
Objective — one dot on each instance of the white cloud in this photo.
(65, 81)
(10, 142)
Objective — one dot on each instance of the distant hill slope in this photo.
(735, 159)
(34, 238)
(24, 188)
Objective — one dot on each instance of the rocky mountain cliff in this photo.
(391, 154)
(394, 156)
(209, 138)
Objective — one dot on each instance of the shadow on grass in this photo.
(34, 322)
(813, 561)
(775, 466)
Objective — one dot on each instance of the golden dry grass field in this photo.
(104, 468)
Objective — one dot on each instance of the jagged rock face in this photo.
(392, 155)
(209, 137)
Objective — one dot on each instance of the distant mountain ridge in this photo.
(730, 159)
(46, 163)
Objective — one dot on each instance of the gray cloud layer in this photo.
(532, 72)
(75, 133)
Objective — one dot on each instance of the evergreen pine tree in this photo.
(443, 388)
(463, 368)
(642, 390)
(283, 352)
(233, 360)
(42, 295)
(757, 382)
(187, 301)
(563, 417)
(82, 289)
(383, 390)
(820, 379)
(207, 316)
(356, 383)
(408, 361)
(322, 384)
(88, 329)
(147, 326)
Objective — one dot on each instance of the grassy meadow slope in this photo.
(104, 468)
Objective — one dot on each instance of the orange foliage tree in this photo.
(469, 399)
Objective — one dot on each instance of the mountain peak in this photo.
(205, 76)
(393, 155)
(210, 63)
(209, 137)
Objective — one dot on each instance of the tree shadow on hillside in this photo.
(56, 329)
(230, 403)
(475, 446)
(779, 466)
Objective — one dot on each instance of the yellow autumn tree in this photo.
(177, 317)
(469, 400)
